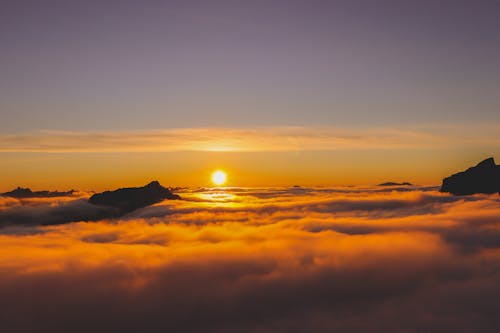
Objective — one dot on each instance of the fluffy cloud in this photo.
(268, 260)
(45, 211)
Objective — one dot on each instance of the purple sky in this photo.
(111, 65)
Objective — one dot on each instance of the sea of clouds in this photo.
(348, 259)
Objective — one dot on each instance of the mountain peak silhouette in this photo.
(154, 185)
(487, 163)
(126, 200)
(482, 178)
(21, 193)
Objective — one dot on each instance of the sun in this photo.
(219, 177)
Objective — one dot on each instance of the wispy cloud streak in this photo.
(243, 139)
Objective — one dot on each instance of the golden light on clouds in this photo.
(256, 249)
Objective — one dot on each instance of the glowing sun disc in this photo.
(219, 177)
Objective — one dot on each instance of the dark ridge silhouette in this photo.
(126, 200)
(395, 184)
(21, 193)
(483, 178)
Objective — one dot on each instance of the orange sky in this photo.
(261, 156)
(99, 171)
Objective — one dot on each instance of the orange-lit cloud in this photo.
(250, 140)
(258, 260)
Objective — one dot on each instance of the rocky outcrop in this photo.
(126, 200)
(395, 184)
(483, 178)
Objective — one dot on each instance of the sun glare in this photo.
(219, 177)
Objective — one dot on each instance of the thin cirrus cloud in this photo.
(248, 140)
(296, 260)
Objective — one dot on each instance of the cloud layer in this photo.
(260, 260)
(248, 140)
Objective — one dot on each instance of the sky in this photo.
(333, 96)
(319, 88)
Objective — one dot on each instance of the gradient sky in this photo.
(116, 66)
